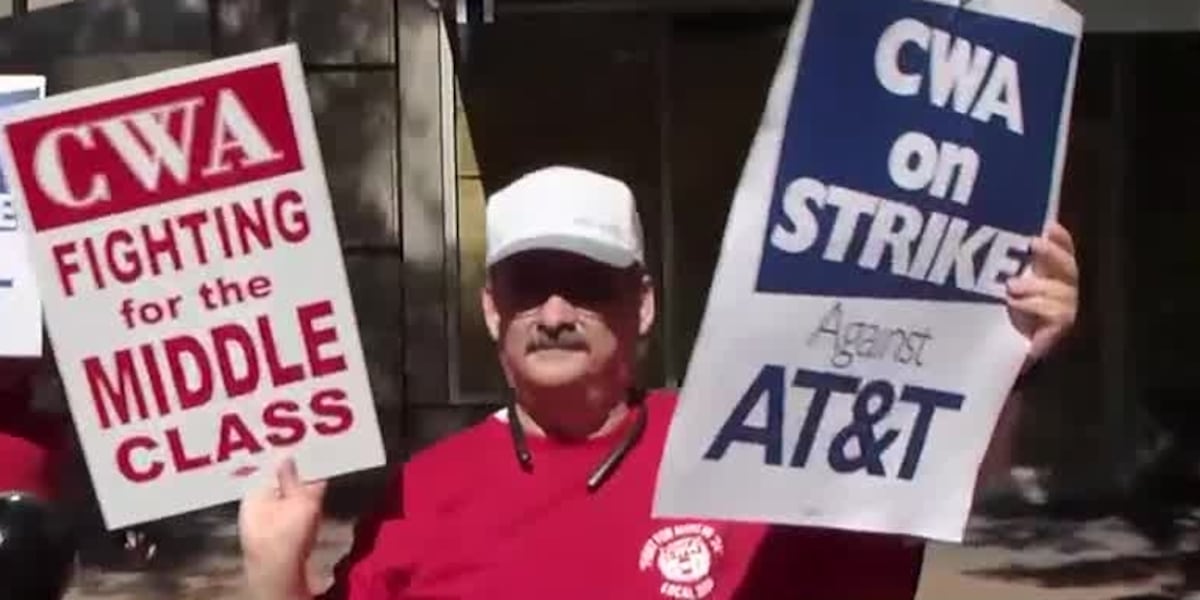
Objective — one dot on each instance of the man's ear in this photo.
(491, 315)
(648, 308)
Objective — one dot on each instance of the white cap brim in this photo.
(612, 255)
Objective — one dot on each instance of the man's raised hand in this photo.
(278, 526)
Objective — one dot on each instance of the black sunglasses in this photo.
(527, 283)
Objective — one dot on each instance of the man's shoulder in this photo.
(445, 468)
(470, 445)
(662, 395)
(662, 400)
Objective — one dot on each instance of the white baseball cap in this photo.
(566, 209)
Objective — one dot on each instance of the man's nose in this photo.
(556, 314)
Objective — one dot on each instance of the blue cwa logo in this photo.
(919, 155)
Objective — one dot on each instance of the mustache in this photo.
(563, 338)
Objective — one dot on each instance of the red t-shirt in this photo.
(474, 525)
(31, 449)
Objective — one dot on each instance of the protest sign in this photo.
(856, 348)
(193, 282)
(20, 305)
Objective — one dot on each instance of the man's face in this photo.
(561, 319)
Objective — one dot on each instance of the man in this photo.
(569, 516)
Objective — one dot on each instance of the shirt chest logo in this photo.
(684, 556)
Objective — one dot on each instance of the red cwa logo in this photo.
(156, 147)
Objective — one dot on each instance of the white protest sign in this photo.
(20, 305)
(194, 288)
(856, 348)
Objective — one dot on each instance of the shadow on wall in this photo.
(97, 27)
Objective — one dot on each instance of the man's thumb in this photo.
(289, 478)
(291, 486)
(315, 490)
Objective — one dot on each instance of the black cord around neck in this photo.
(520, 445)
(610, 463)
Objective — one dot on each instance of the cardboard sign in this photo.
(195, 294)
(856, 349)
(20, 305)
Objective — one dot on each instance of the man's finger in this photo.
(1052, 260)
(289, 478)
(315, 490)
(1042, 341)
(1061, 237)
(259, 496)
(290, 483)
(1048, 309)
(1032, 285)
